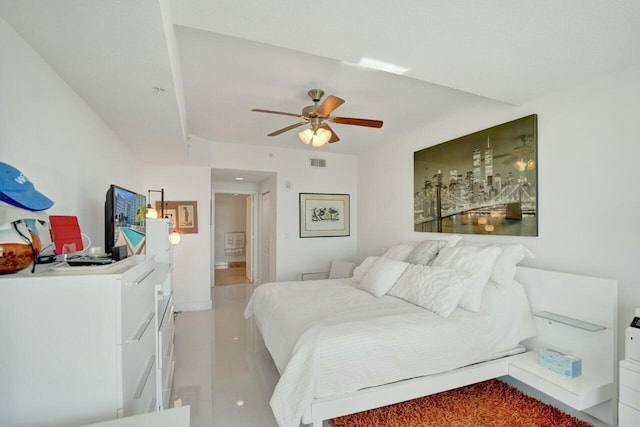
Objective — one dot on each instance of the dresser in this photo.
(161, 250)
(78, 343)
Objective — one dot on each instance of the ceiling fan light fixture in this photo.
(316, 138)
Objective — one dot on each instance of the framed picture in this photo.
(482, 183)
(184, 214)
(324, 215)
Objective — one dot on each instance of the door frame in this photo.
(249, 239)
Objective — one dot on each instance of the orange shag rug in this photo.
(490, 403)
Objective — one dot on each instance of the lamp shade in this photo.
(316, 138)
(151, 213)
(306, 136)
(174, 238)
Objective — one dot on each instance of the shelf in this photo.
(580, 324)
(580, 393)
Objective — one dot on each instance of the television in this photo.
(124, 220)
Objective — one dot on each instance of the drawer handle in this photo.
(143, 327)
(168, 316)
(141, 278)
(145, 377)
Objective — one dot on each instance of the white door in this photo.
(265, 238)
(249, 238)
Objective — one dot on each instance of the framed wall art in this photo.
(482, 183)
(324, 215)
(184, 214)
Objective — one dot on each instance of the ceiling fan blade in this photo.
(276, 112)
(283, 130)
(357, 122)
(329, 104)
(334, 137)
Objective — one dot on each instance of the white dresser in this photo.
(158, 246)
(629, 399)
(78, 344)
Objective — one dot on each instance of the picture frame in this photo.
(324, 215)
(482, 183)
(184, 214)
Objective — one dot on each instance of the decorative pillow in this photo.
(399, 252)
(382, 275)
(361, 270)
(425, 252)
(504, 270)
(476, 261)
(340, 269)
(437, 289)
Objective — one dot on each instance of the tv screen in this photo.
(125, 220)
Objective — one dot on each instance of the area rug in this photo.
(490, 403)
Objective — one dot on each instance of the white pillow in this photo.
(474, 260)
(341, 269)
(382, 275)
(425, 252)
(437, 289)
(504, 270)
(399, 252)
(361, 270)
(451, 239)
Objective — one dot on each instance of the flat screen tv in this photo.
(124, 225)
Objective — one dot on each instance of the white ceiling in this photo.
(237, 55)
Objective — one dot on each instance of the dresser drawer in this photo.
(137, 296)
(145, 398)
(628, 416)
(138, 364)
(165, 338)
(629, 378)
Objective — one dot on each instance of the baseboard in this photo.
(192, 305)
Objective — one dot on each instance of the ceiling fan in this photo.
(319, 117)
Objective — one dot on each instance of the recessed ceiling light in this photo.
(240, 402)
(239, 178)
(376, 64)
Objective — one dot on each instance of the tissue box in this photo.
(560, 363)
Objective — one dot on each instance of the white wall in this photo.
(294, 255)
(49, 133)
(230, 216)
(588, 150)
(192, 256)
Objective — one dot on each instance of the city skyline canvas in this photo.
(481, 183)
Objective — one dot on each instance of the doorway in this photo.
(233, 239)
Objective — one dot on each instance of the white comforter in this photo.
(328, 338)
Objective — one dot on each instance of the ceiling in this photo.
(158, 71)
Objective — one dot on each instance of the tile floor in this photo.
(220, 361)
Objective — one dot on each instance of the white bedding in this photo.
(328, 338)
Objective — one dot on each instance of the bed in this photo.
(340, 349)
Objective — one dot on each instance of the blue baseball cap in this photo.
(17, 190)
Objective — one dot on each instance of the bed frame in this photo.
(574, 314)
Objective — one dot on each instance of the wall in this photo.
(588, 148)
(50, 134)
(192, 256)
(230, 216)
(294, 255)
